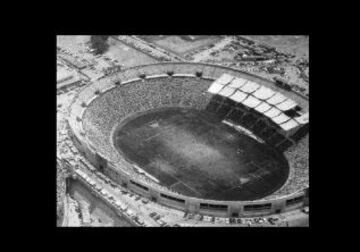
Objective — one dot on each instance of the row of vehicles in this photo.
(232, 220)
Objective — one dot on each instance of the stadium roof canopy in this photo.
(263, 107)
(280, 118)
(215, 88)
(237, 83)
(262, 99)
(238, 96)
(227, 91)
(276, 99)
(251, 102)
(303, 119)
(286, 105)
(224, 79)
(263, 93)
(289, 125)
(249, 87)
(272, 112)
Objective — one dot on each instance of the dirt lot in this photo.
(286, 57)
(125, 55)
(63, 72)
(178, 45)
(297, 45)
(117, 54)
(73, 43)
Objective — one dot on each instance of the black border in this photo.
(42, 158)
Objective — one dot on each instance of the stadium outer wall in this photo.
(164, 196)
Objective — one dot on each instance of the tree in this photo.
(99, 43)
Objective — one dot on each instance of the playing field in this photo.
(195, 154)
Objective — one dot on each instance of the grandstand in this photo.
(276, 119)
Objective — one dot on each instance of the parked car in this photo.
(161, 222)
(153, 214)
(190, 216)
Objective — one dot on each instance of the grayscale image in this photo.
(182, 131)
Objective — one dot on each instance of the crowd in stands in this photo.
(298, 158)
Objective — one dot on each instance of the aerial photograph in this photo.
(182, 131)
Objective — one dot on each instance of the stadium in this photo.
(196, 137)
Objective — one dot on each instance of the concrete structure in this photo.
(123, 172)
(66, 79)
(271, 115)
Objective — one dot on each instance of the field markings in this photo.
(173, 185)
(180, 181)
(153, 136)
